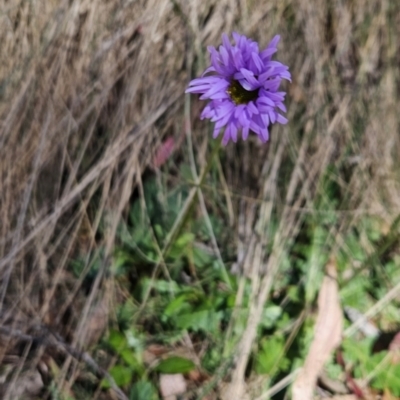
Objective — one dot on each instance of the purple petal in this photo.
(281, 119)
(224, 55)
(234, 132)
(267, 53)
(272, 116)
(249, 76)
(281, 106)
(274, 42)
(257, 62)
(197, 89)
(265, 100)
(236, 37)
(239, 110)
(245, 132)
(226, 137)
(244, 120)
(216, 132)
(252, 108)
(265, 75)
(208, 70)
(226, 42)
(265, 120)
(224, 110)
(254, 127)
(264, 135)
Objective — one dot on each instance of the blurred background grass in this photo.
(96, 145)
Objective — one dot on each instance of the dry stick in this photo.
(92, 175)
(78, 284)
(49, 339)
(22, 360)
(286, 381)
(375, 309)
(126, 191)
(24, 208)
(70, 298)
(57, 275)
(12, 309)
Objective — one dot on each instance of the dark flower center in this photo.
(240, 95)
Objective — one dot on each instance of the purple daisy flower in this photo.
(242, 88)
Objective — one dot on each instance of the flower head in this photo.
(242, 85)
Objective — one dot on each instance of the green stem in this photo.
(179, 222)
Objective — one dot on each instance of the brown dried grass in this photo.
(89, 88)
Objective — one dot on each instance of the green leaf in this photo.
(270, 315)
(373, 227)
(161, 286)
(358, 350)
(333, 370)
(158, 230)
(175, 365)
(212, 359)
(143, 390)
(180, 246)
(207, 320)
(354, 247)
(355, 293)
(177, 305)
(270, 356)
(293, 293)
(117, 341)
(186, 172)
(125, 313)
(201, 258)
(129, 357)
(317, 258)
(121, 374)
(184, 239)
(134, 339)
(388, 378)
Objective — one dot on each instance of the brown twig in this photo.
(53, 340)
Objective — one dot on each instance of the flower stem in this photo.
(187, 206)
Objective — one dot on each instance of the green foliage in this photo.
(270, 356)
(212, 358)
(175, 365)
(143, 237)
(143, 390)
(131, 366)
(271, 316)
(121, 374)
(388, 378)
(207, 320)
(384, 373)
(357, 350)
(170, 305)
(190, 297)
